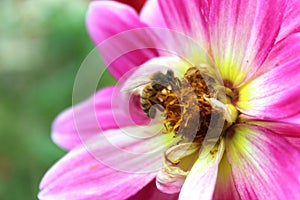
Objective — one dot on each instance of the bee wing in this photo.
(136, 84)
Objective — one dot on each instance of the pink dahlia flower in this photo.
(208, 98)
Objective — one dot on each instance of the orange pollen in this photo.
(187, 112)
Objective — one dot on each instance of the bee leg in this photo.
(152, 112)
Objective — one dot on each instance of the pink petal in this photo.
(150, 192)
(188, 18)
(290, 131)
(264, 164)
(294, 119)
(112, 165)
(200, 182)
(242, 34)
(120, 53)
(225, 188)
(151, 15)
(275, 94)
(281, 128)
(93, 116)
(291, 20)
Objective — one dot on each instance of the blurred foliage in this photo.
(42, 45)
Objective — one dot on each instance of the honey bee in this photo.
(154, 94)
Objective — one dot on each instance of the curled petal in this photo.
(200, 182)
(242, 34)
(263, 163)
(170, 179)
(275, 93)
(177, 152)
(178, 162)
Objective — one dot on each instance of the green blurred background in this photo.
(42, 45)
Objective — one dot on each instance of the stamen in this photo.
(186, 104)
(188, 113)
